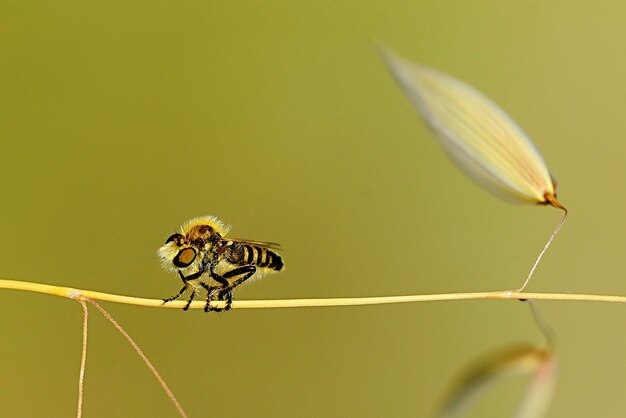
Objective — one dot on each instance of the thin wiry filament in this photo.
(545, 248)
(83, 359)
(543, 326)
(132, 342)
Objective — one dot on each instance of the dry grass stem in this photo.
(132, 342)
(545, 247)
(72, 293)
(83, 359)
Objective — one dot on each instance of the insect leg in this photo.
(191, 276)
(209, 297)
(247, 270)
(193, 295)
(176, 296)
(220, 279)
(227, 293)
(185, 279)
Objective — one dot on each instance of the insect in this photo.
(205, 259)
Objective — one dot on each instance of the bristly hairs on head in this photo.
(211, 220)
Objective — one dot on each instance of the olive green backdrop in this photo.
(120, 120)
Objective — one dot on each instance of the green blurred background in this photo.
(120, 120)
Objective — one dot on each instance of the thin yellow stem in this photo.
(141, 354)
(83, 360)
(552, 201)
(72, 293)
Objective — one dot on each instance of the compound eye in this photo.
(185, 257)
(173, 237)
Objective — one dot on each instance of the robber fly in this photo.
(205, 259)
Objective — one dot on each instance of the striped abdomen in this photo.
(255, 255)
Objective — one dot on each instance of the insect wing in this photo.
(262, 244)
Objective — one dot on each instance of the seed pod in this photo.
(539, 363)
(479, 136)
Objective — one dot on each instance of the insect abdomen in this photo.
(258, 256)
(273, 260)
